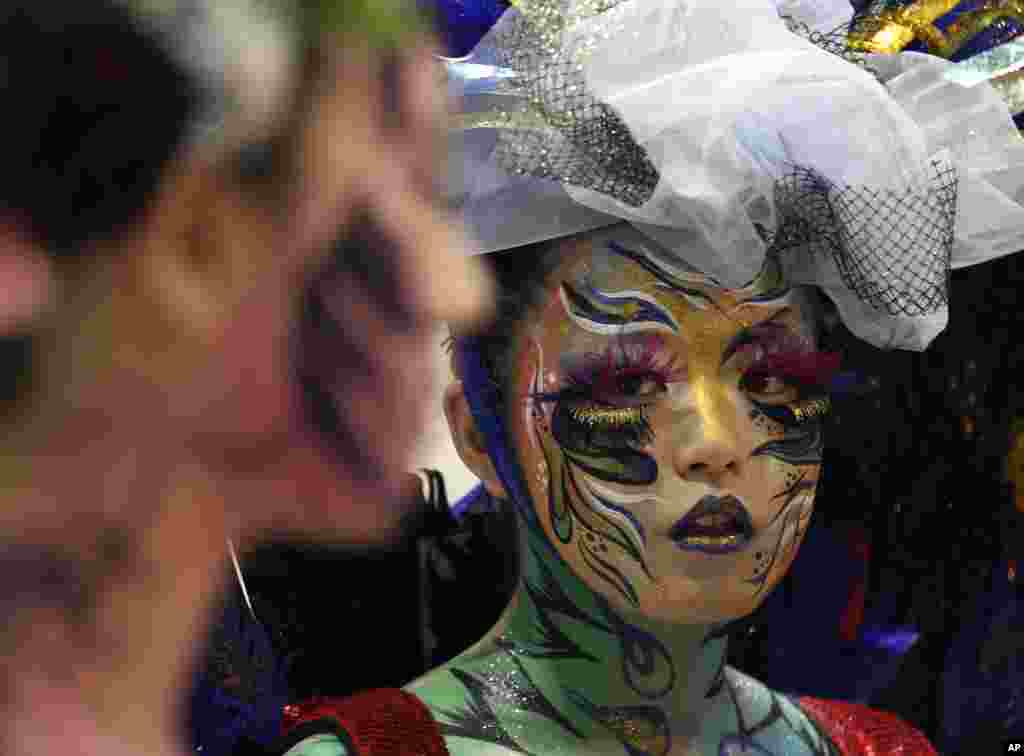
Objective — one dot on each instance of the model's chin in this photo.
(705, 613)
(684, 602)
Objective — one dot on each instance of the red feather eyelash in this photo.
(640, 357)
(807, 368)
(599, 376)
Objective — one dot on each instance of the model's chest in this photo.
(745, 718)
(789, 733)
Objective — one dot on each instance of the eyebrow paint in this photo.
(615, 313)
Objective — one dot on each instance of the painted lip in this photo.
(733, 534)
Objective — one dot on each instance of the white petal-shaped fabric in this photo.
(727, 101)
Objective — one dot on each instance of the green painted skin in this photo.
(551, 679)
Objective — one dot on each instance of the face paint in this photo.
(679, 447)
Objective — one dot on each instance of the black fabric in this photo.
(101, 110)
(478, 559)
(334, 610)
(915, 694)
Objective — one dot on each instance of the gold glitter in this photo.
(640, 735)
(730, 540)
(607, 416)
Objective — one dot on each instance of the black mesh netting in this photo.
(834, 41)
(892, 247)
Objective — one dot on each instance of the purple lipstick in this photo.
(716, 525)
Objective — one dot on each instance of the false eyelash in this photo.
(600, 374)
(798, 412)
(595, 379)
(803, 368)
(810, 409)
(592, 426)
(608, 416)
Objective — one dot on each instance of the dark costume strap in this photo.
(382, 722)
(859, 731)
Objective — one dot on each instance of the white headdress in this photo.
(728, 131)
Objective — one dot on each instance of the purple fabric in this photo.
(462, 23)
(217, 718)
(483, 399)
(475, 499)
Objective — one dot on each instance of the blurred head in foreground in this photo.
(217, 224)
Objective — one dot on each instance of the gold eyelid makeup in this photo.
(811, 409)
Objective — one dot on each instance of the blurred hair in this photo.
(96, 111)
(520, 276)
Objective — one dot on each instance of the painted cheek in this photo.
(536, 414)
(765, 426)
(679, 396)
(536, 418)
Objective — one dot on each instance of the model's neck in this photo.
(607, 663)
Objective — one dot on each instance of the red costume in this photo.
(391, 722)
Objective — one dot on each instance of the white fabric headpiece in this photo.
(870, 181)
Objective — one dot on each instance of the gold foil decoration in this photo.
(972, 23)
(894, 29)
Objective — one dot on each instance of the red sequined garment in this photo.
(391, 722)
(860, 731)
(384, 722)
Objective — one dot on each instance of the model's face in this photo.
(653, 419)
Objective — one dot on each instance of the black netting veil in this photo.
(892, 247)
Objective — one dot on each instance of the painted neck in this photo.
(605, 660)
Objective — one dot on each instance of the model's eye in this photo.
(640, 386)
(626, 387)
(771, 389)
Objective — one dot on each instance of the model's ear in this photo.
(469, 443)
(26, 278)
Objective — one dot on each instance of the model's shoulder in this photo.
(776, 722)
(469, 726)
(492, 704)
(442, 689)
